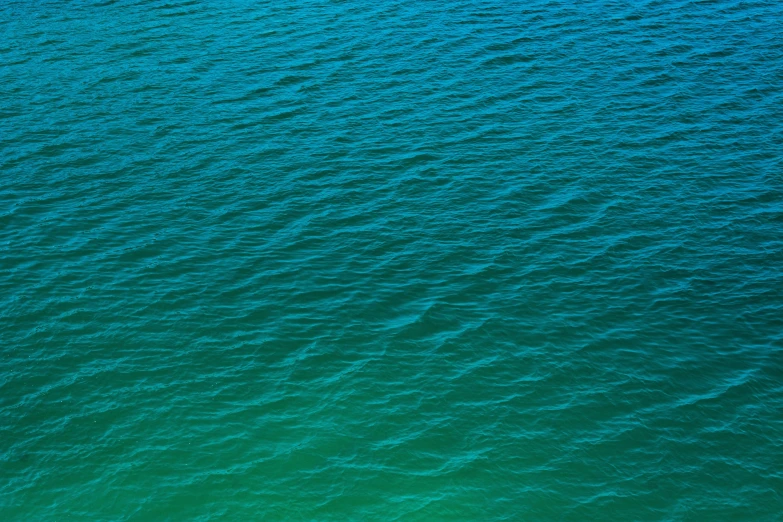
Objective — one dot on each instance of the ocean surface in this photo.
(391, 260)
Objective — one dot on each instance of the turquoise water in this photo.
(470, 260)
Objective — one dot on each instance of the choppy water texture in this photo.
(471, 260)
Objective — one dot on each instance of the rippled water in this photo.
(470, 260)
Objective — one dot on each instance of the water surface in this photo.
(469, 260)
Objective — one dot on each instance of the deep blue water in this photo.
(392, 260)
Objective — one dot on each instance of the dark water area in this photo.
(470, 260)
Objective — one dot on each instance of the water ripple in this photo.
(391, 261)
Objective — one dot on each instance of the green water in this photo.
(471, 260)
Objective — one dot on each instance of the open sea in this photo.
(392, 260)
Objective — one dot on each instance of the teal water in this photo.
(470, 260)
